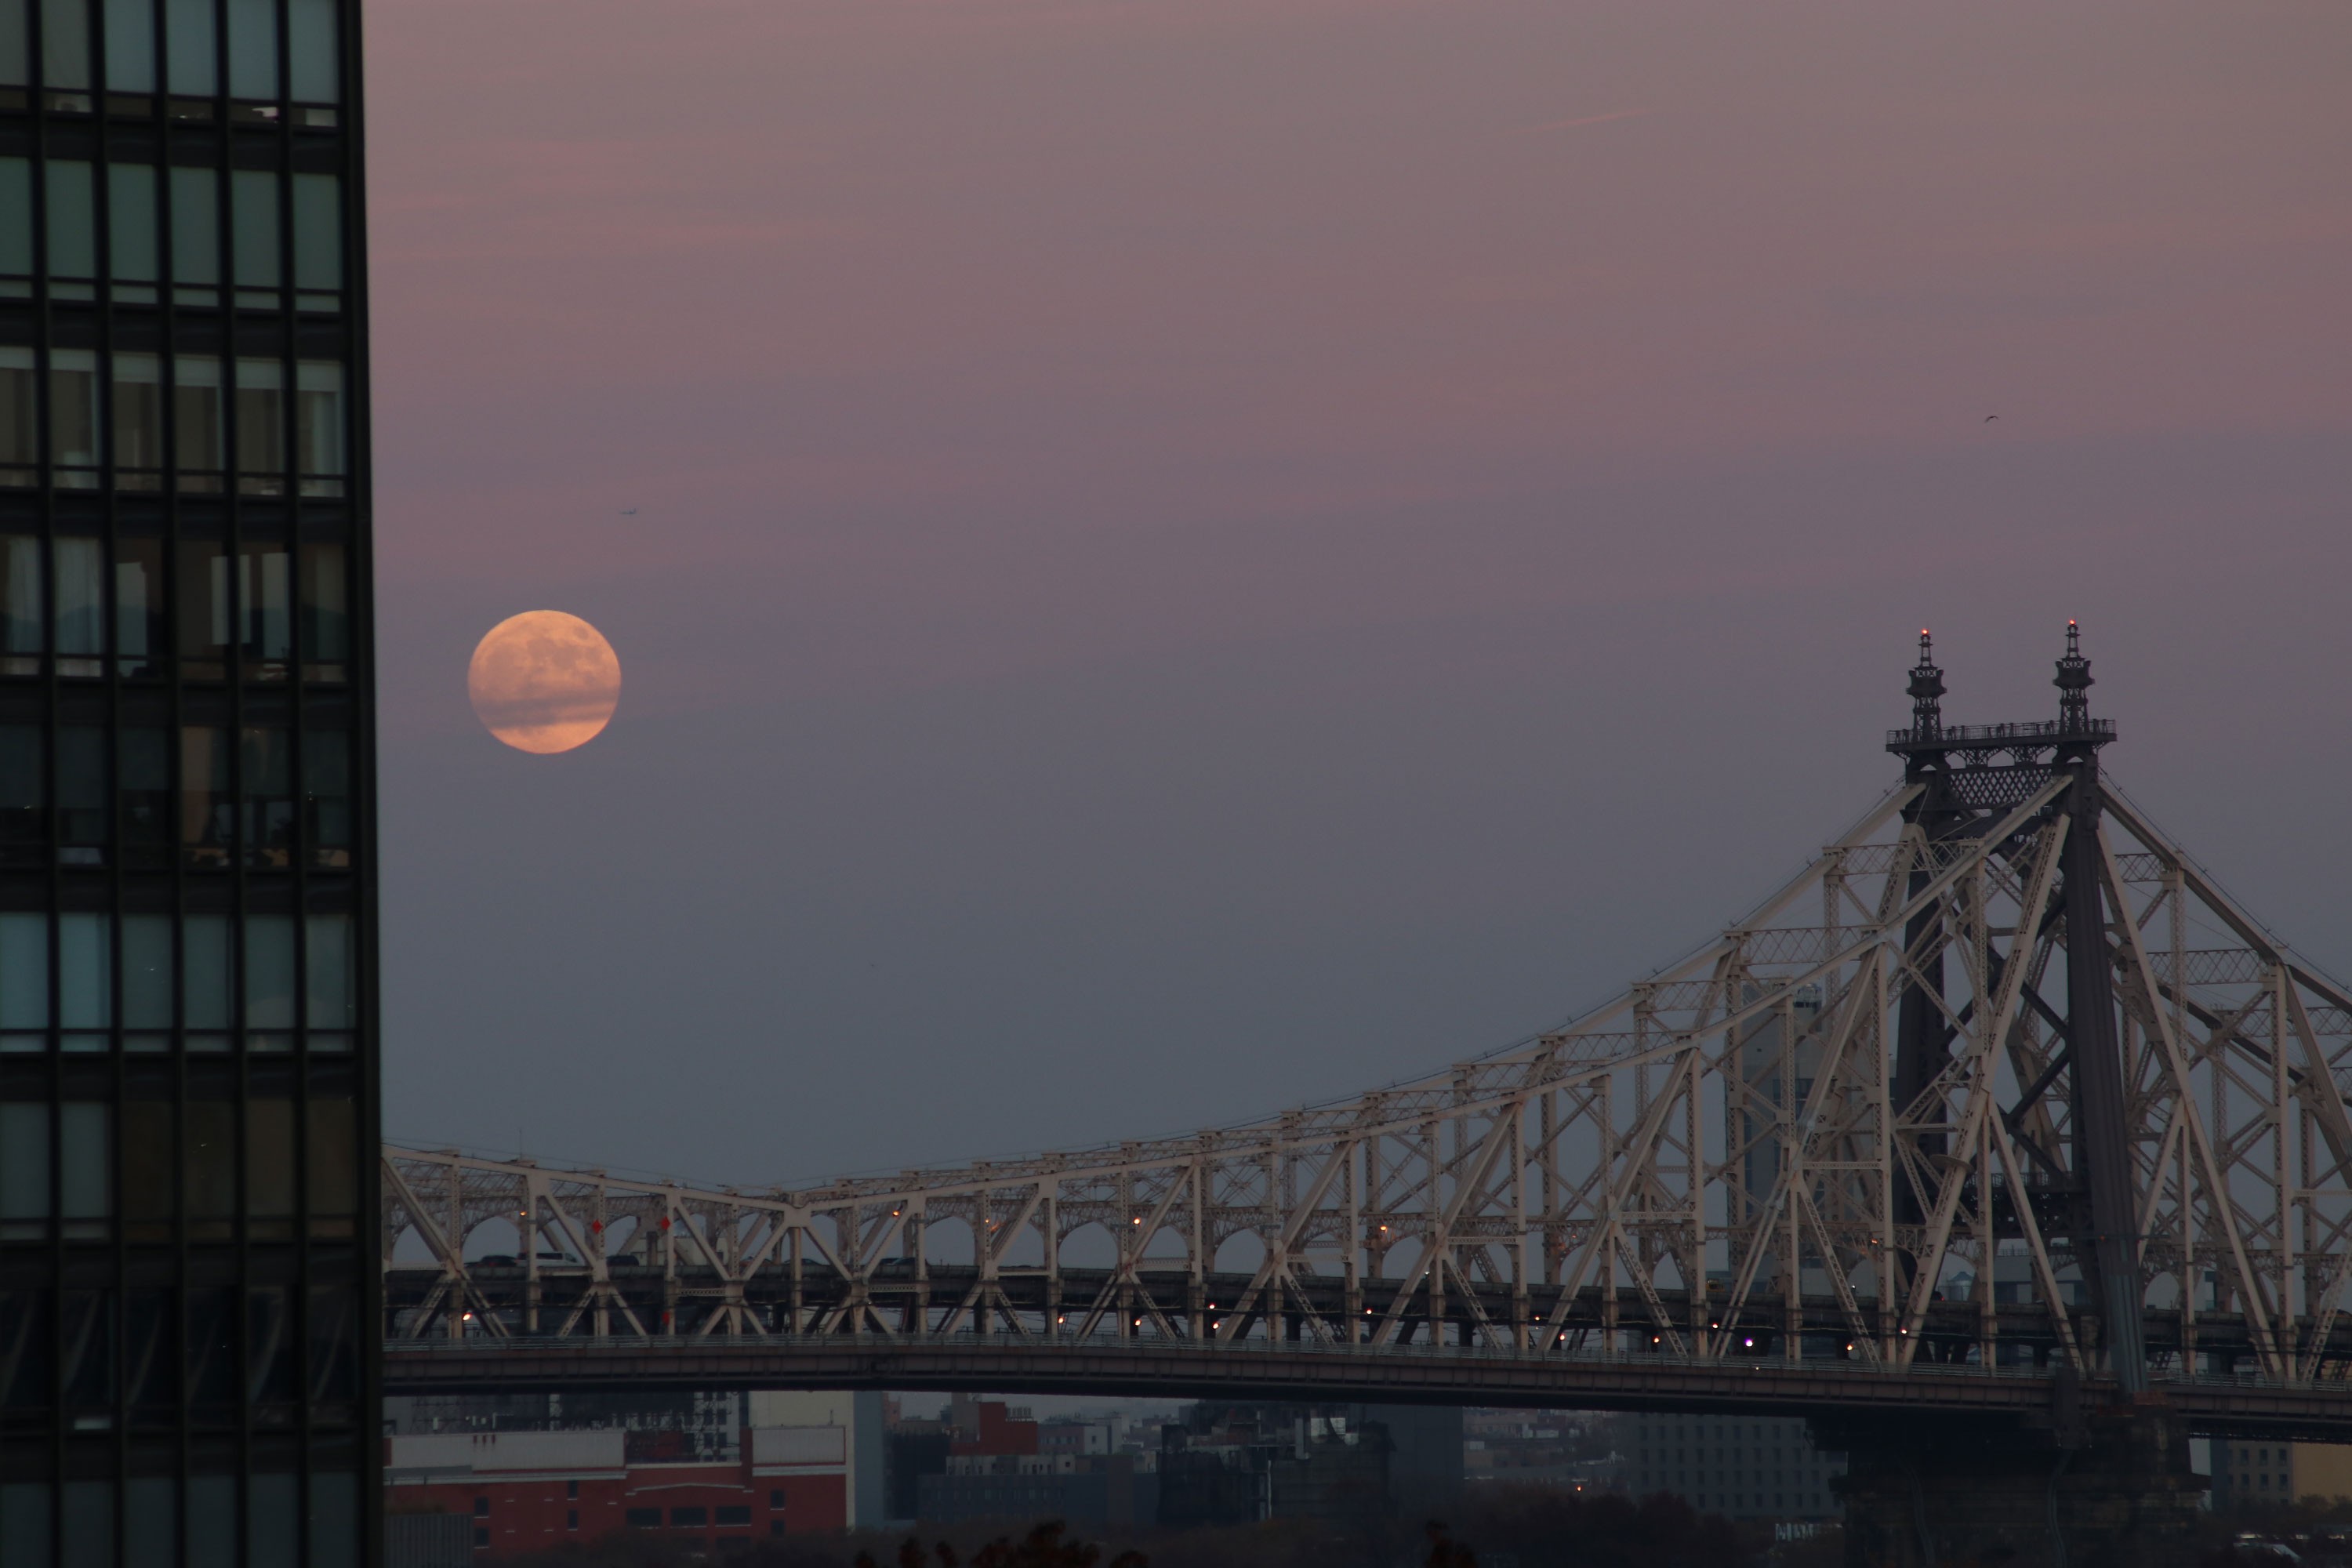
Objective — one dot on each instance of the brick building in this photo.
(528, 1491)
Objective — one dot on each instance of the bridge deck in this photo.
(1269, 1370)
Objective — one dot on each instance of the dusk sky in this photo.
(1190, 556)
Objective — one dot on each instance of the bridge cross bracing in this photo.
(1721, 1168)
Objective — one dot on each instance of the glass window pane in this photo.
(310, 46)
(267, 778)
(18, 451)
(24, 1161)
(188, 47)
(147, 1163)
(334, 1504)
(131, 221)
(85, 1160)
(15, 40)
(150, 1521)
(333, 1157)
(211, 1503)
(65, 44)
(318, 412)
(80, 594)
(20, 592)
(207, 815)
(268, 1158)
(195, 226)
(86, 1517)
(15, 213)
(24, 1522)
(142, 784)
(83, 820)
(199, 435)
(204, 975)
(326, 619)
(147, 971)
(253, 48)
(85, 972)
(317, 232)
(138, 420)
(138, 599)
(208, 1171)
(253, 202)
(73, 220)
(270, 971)
(73, 413)
(24, 810)
(329, 961)
(24, 972)
(327, 822)
(129, 45)
(265, 603)
(260, 419)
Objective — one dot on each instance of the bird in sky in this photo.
(1990, 417)
(629, 511)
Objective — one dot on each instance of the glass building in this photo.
(187, 1043)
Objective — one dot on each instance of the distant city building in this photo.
(1237, 1463)
(1740, 1466)
(188, 1107)
(2256, 1474)
(702, 1444)
(526, 1492)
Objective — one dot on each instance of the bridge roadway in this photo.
(511, 1298)
(1274, 1370)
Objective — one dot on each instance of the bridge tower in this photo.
(2091, 1486)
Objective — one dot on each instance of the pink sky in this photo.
(955, 347)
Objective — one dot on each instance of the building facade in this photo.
(187, 1041)
(527, 1491)
(2258, 1473)
(1741, 1467)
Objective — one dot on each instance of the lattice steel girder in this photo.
(1722, 1153)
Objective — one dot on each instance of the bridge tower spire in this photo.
(2100, 1112)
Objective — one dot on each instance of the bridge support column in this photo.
(2114, 1492)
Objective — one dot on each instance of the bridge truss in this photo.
(1860, 1126)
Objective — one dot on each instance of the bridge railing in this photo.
(489, 1345)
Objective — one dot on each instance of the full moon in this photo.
(544, 682)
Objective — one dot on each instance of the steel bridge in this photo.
(2000, 1105)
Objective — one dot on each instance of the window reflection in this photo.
(79, 596)
(327, 797)
(138, 605)
(203, 609)
(138, 422)
(260, 427)
(265, 608)
(326, 614)
(73, 418)
(204, 980)
(198, 440)
(195, 232)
